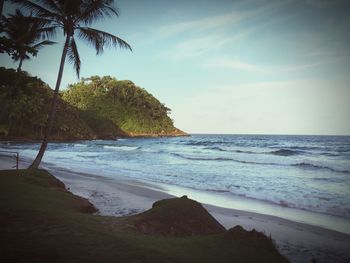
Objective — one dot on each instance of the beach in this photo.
(227, 139)
(122, 196)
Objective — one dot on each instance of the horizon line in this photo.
(271, 134)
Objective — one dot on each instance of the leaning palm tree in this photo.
(23, 35)
(73, 17)
(1, 6)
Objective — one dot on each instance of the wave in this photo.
(335, 179)
(302, 165)
(219, 159)
(194, 143)
(215, 148)
(321, 149)
(201, 158)
(284, 152)
(230, 150)
(122, 147)
(331, 154)
(280, 152)
(217, 190)
(79, 145)
(149, 150)
(319, 167)
(89, 156)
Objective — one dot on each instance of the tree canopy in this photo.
(131, 108)
(96, 107)
(23, 37)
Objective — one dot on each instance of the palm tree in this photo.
(1, 6)
(23, 35)
(73, 17)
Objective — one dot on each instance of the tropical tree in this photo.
(23, 35)
(74, 18)
(1, 6)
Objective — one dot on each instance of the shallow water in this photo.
(310, 173)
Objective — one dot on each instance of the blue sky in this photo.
(252, 67)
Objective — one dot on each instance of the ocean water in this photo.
(310, 173)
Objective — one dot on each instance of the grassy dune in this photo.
(42, 222)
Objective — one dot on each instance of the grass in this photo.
(42, 222)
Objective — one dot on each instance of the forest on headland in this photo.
(94, 108)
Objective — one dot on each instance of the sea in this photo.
(299, 175)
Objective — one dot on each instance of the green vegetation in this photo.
(22, 37)
(41, 222)
(90, 109)
(74, 20)
(129, 107)
(24, 110)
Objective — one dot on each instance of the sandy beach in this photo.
(121, 196)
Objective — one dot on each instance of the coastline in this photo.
(176, 133)
(121, 196)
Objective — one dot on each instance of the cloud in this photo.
(197, 46)
(237, 64)
(202, 43)
(203, 23)
(218, 21)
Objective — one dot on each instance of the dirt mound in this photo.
(251, 238)
(178, 217)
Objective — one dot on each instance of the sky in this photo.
(227, 66)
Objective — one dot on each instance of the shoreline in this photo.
(129, 135)
(235, 202)
(123, 196)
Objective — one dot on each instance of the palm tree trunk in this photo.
(20, 65)
(43, 146)
(1, 7)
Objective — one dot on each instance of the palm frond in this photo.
(73, 56)
(24, 34)
(44, 22)
(38, 10)
(92, 38)
(51, 4)
(43, 43)
(92, 11)
(5, 45)
(100, 39)
(17, 56)
(48, 32)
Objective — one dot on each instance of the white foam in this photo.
(80, 145)
(122, 147)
